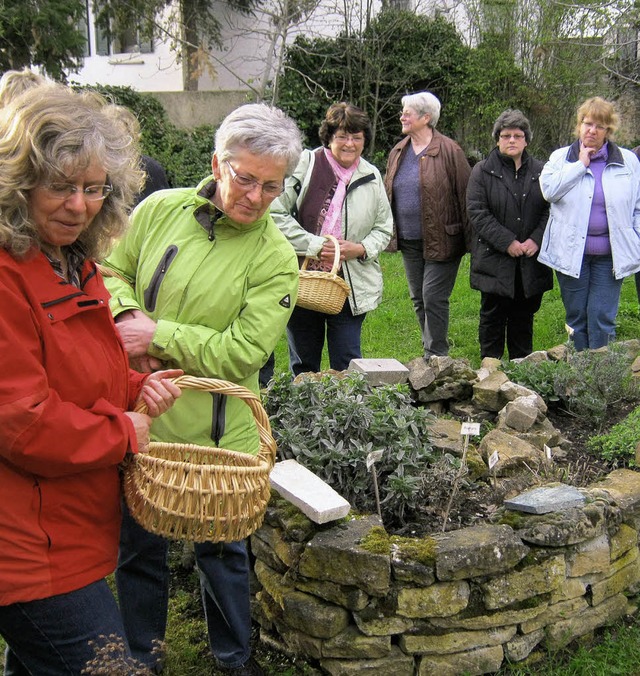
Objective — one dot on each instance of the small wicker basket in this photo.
(323, 291)
(202, 493)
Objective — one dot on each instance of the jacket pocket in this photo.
(453, 229)
(151, 292)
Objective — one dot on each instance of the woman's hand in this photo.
(136, 331)
(159, 392)
(348, 250)
(141, 425)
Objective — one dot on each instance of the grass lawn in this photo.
(391, 331)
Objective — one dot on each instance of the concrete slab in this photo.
(546, 499)
(308, 492)
(380, 371)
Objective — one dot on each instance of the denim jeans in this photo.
(306, 334)
(591, 302)
(430, 287)
(142, 579)
(50, 637)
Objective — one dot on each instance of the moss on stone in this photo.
(422, 550)
(377, 541)
(511, 518)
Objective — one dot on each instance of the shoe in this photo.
(249, 668)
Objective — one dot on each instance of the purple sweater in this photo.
(598, 243)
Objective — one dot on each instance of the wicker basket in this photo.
(323, 291)
(201, 493)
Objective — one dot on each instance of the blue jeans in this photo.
(430, 287)
(306, 333)
(142, 579)
(591, 302)
(50, 637)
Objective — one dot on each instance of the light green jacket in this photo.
(366, 218)
(221, 294)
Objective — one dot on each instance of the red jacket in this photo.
(64, 386)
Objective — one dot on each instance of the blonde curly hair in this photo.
(49, 133)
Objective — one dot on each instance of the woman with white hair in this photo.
(426, 183)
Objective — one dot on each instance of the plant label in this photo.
(493, 459)
(547, 452)
(373, 457)
(470, 428)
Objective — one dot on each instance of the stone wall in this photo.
(355, 600)
(358, 601)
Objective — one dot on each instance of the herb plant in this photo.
(330, 424)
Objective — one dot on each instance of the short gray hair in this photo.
(512, 119)
(424, 103)
(261, 130)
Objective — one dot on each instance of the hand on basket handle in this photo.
(159, 392)
(141, 425)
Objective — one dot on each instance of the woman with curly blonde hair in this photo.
(68, 173)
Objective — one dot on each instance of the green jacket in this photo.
(221, 294)
(366, 218)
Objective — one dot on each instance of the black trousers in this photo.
(510, 318)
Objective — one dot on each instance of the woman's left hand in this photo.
(530, 248)
(159, 392)
(348, 250)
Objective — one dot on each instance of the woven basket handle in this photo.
(336, 256)
(267, 442)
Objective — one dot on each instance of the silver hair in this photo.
(424, 103)
(261, 130)
(512, 119)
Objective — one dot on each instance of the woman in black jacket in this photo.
(508, 215)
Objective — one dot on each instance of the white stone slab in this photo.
(380, 371)
(308, 492)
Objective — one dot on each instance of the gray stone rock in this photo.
(514, 454)
(568, 527)
(552, 498)
(558, 353)
(441, 599)
(476, 551)
(444, 435)
(519, 414)
(352, 644)
(313, 616)
(470, 663)
(335, 555)
(420, 374)
(455, 642)
(527, 583)
(519, 647)
(351, 598)
(487, 393)
(396, 663)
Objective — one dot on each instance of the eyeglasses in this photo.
(92, 193)
(270, 189)
(343, 138)
(517, 137)
(593, 125)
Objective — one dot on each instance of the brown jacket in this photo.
(444, 173)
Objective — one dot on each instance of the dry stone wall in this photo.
(355, 600)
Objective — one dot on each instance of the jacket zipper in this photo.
(151, 292)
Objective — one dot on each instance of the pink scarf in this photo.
(332, 224)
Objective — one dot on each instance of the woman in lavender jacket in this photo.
(592, 238)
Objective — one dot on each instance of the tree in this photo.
(394, 53)
(42, 33)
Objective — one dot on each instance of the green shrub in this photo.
(587, 384)
(184, 154)
(619, 444)
(330, 425)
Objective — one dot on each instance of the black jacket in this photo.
(503, 206)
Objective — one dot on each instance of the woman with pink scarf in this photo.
(335, 191)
